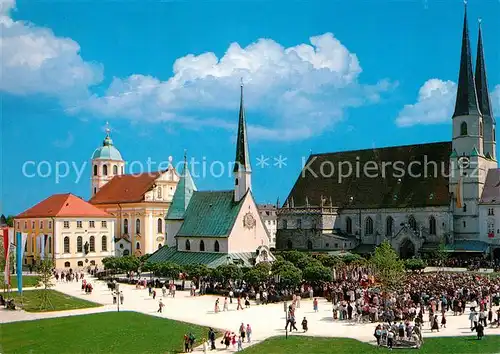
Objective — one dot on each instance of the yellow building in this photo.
(68, 230)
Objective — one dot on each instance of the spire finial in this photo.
(185, 155)
(108, 130)
(479, 20)
(241, 81)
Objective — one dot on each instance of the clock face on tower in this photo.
(463, 162)
(249, 221)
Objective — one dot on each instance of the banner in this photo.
(37, 246)
(20, 244)
(6, 234)
(43, 241)
(459, 191)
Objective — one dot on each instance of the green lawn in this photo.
(31, 301)
(309, 345)
(29, 281)
(111, 332)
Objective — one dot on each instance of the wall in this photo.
(485, 219)
(209, 244)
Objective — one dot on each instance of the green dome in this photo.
(107, 151)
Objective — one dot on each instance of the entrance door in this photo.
(407, 249)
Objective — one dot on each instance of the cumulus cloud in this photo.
(35, 60)
(435, 104)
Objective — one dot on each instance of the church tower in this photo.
(242, 171)
(469, 163)
(107, 163)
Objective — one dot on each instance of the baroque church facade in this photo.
(451, 196)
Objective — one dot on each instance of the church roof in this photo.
(394, 187)
(481, 81)
(211, 259)
(210, 214)
(491, 190)
(182, 195)
(107, 151)
(63, 205)
(126, 188)
(242, 159)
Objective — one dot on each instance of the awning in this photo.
(468, 246)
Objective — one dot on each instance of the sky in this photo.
(319, 76)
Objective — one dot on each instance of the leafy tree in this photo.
(441, 254)
(299, 259)
(317, 273)
(277, 265)
(227, 272)
(258, 274)
(10, 221)
(197, 270)
(3, 220)
(290, 276)
(389, 269)
(415, 264)
(352, 258)
(329, 261)
(44, 270)
(169, 270)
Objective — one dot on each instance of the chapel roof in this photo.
(491, 190)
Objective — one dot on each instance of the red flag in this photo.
(6, 248)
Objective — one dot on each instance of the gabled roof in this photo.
(126, 188)
(63, 205)
(182, 195)
(491, 190)
(210, 214)
(210, 259)
(391, 189)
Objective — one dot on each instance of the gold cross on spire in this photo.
(108, 130)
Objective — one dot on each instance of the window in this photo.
(236, 182)
(188, 245)
(91, 224)
(122, 170)
(493, 133)
(95, 170)
(216, 246)
(17, 225)
(368, 226)
(412, 222)
(125, 226)
(309, 245)
(67, 264)
(160, 245)
(49, 244)
(66, 244)
(464, 208)
(348, 225)
(79, 244)
(289, 244)
(137, 245)
(32, 224)
(137, 226)
(463, 128)
(105, 170)
(299, 224)
(160, 226)
(79, 224)
(104, 244)
(95, 190)
(481, 128)
(26, 247)
(115, 169)
(432, 225)
(336, 245)
(491, 228)
(41, 224)
(25, 224)
(50, 224)
(104, 224)
(159, 192)
(126, 253)
(465, 224)
(80, 263)
(202, 246)
(92, 263)
(92, 243)
(285, 224)
(389, 222)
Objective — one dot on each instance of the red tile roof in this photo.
(63, 205)
(125, 188)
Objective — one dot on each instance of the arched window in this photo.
(67, 264)
(125, 226)
(95, 190)
(463, 128)
(348, 225)
(285, 224)
(137, 226)
(50, 244)
(160, 245)
(389, 222)
(309, 245)
(95, 170)
(236, 182)
(137, 245)
(105, 170)
(481, 128)
(159, 192)
(126, 252)
(412, 222)
(432, 225)
(369, 226)
(289, 244)
(299, 224)
(202, 246)
(160, 225)
(80, 263)
(66, 244)
(92, 243)
(115, 170)
(79, 244)
(465, 208)
(216, 246)
(188, 245)
(104, 244)
(493, 133)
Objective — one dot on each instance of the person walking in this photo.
(121, 297)
(390, 339)
(226, 306)
(249, 333)
(240, 344)
(211, 338)
(160, 306)
(304, 325)
(315, 304)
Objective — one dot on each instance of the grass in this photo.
(110, 332)
(29, 281)
(60, 302)
(317, 345)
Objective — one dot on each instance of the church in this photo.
(451, 197)
(217, 227)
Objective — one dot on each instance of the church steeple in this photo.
(242, 170)
(466, 103)
(182, 195)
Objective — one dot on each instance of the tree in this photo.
(317, 273)
(197, 270)
(227, 272)
(10, 221)
(352, 258)
(258, 274)
(329, 261)
(169, 270)
(415, 264)
(44, 270)
(290, 276)
(299, 259)
(441, 254)
(389, 269)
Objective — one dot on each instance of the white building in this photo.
(268, 213)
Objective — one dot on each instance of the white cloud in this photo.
(435, 104)
(66, 142)
(35, 60)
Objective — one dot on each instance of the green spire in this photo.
(183, 193)
(242, 160)
(483, 96)
(474, 152)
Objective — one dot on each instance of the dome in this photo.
(107, 151)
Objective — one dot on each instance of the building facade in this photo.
(268, 213)
(414, 196)
(68, 230)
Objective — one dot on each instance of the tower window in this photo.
(465, 224)
(95, 170)
(481, 128)
(348, 225)
(369, 226)
(389, 222)
(115, 169)
(464, 208)
(463, 128)
(236, 182)
(432, 225)
(105, 170)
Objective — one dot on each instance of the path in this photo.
(266, 320)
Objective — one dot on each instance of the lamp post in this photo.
(117, 289)
(286, 319)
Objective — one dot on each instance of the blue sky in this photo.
(319, 76)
